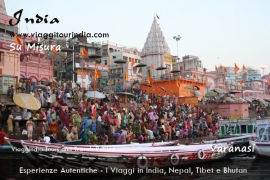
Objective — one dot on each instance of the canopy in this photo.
(26, 101)
(210, 94)
(220, 91)
(196, 93)
(94, 94)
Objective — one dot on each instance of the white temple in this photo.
(3, 7)
(153, 52)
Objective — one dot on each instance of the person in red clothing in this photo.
(2, 135)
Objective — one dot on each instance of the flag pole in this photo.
(15, 84)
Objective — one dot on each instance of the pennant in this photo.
(216, 68)
(97, 73)
(132, 62)
(169, 71)
(221, 67)
(149, 80)
(126, 76)
(244, 68)
(236, 68)
(224, 69)
(84, 53)
(241, 82)
(54, 48)
(17, 39)
(194, 76)
(151, 66)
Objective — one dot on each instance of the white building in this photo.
(118, 71)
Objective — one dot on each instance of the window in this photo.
(105, 62)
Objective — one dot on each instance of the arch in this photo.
(44, 79)
(33, 78)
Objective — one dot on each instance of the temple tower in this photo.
(155, 52)
(3, 7)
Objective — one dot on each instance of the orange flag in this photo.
(216, 68)
(17, 39)
(151, 66)
(149, 80)
(194, 76)
(236, 68)
(126, 76)
(97, 73)
(169, 71)
(221, 66)
(244, 67)
(225, 70)
(132, 62)
(54, 48)
(84, 53)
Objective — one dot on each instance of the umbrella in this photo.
(196, 93)
(120, 61)
(175, 71)
(95, 94)
(65, 49)
(123, 94)
(248, 99)
(26, 101)
(218, 90)
(163, 89)
(267, 100)
(40, 87)
(106, 99)
(229, 99)
(189, 87)
(161, 68)
(210, 94)
(140, 65)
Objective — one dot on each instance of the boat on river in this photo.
(104, 158)
(261, 144)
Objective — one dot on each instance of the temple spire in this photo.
(155, 42)
(3, 7)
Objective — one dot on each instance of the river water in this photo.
(255, 167)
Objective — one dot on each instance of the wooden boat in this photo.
(261, 144)
(17, 143)
(110, 160)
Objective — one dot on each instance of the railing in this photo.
(242, 121)
(172, 77)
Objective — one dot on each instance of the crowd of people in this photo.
(96, 121)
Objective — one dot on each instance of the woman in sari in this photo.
(54, 128)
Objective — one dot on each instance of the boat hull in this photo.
(102, 161)
(261, 148)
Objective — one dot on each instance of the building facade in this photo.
(115, 79)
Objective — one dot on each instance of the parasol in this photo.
(175, 71)
(220, 91)
(196, 93)
(26, 101)
(210, 94)
(94, 94)
(161, 68)
(140, 65)
(41, 87)
(189, 87)
(129, 95)
(163, 89)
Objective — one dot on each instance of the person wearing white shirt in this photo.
(46, 138)
(32, 93)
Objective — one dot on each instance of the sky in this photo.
(217, 31)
